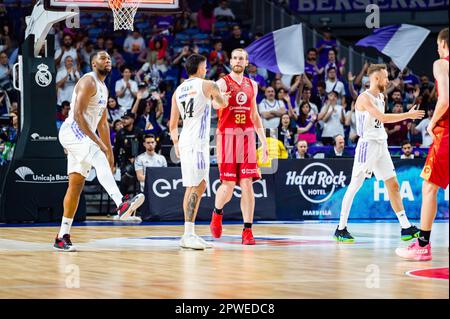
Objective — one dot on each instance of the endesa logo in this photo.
(317, 182)
(164, 188)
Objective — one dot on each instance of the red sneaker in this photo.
(247, 237)
(216, 225)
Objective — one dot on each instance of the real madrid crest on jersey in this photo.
(43, 76)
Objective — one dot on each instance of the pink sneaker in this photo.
(415, 252)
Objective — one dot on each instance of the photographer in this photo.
(127, 146)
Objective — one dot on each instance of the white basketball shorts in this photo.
(80, 148)
(194, 164)
(372, 156)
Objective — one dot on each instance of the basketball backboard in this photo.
(101, 5)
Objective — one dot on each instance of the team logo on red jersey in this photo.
(241, 98)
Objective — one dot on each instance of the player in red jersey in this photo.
(236, 145)
(435, 172)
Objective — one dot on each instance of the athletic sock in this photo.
(424, 238)
(189, 228)
(66, 224)
(355, 185)
(105, 177)
(218, 211)
(404, 222)
(247, 225)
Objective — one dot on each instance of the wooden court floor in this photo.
(293, 261)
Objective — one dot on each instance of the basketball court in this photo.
(126, 260)
(290, 261)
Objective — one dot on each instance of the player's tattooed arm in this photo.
(220, 99)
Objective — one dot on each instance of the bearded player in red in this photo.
(435, 172)
(236, 145)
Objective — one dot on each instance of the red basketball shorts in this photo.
(436, 167)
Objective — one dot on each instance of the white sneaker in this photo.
(192, 242)
(204, 242)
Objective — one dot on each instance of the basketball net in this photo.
(124, 12)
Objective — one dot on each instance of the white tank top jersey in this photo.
(368, 127)
(96, 106)
(195, 110)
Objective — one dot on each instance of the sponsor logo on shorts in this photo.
(316, 182)
(28, 176)
(228, 174)
(247, 171)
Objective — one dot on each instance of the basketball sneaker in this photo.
(191, 241)
(204, 242)
(216, 225)
(129, 206)
(415, 252)
(64, 244)
(247, 237)
(343, 236)
(410, 233)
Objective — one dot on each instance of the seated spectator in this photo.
(205, 18)
(236, 41)
(63, 113)
(397, 132)
(148, 159)
(286, 131)
(426, 87)
(333, 84)
(66, 79)
(312, 67)
(306, 124)
(421, 128)
(6, 70)
(350, 120)
(306, 97)
(407, 150)
(126, 90)
(114, 129)
(147, 112)
(332, 62)
(217, 59)
(223, 13)
(271, 109)
(158, 50)
(325, 45)
(338, 148)
(67, 49)
(396, 97)
(86, 51)
(301, 151)
(133, 46)
(113, 110)
(320, 95)
(253, 74)
(333, 117)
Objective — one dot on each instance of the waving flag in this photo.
(399, 42)
(280, 51)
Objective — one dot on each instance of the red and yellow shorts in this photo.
(436, 167)
(236, 156)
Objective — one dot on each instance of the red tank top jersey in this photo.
(238, 112)
(443, 121)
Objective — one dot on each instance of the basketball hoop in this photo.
(124, 12)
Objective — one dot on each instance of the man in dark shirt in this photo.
(236, 41)
(128, 145)
(338, 150)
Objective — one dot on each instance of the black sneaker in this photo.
(410, 233)
(64, 243)
(129, 206)
(343, 236)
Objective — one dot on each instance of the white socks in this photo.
(105, 177)
(189, 228)
(66, 224)
(403, 219)
(353, 188)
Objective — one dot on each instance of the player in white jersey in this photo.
(85, 149)
(192, 100)
(372, 153)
